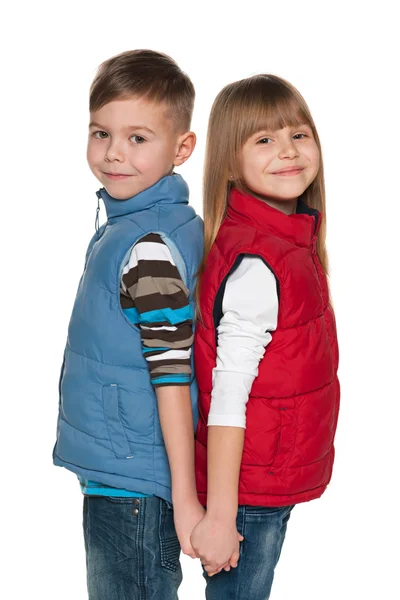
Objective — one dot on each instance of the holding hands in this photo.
(216, 543)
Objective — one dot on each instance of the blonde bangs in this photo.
(268, 111)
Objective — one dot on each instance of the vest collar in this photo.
(299, 228)
(171, 189)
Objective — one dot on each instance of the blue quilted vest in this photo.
(108, 426)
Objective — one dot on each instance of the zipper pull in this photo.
(314, 245)
(96, 223)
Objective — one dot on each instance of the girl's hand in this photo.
(186, 516)
(216, 543)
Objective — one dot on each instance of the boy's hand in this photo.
(216, 543)
(186, 516)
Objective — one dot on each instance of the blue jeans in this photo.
(132, 551)
(264, 531)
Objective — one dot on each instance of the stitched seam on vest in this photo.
(136, 443)
(134, 433)
(283, 467)
(309, 464)
(304, 323)
(183, 224)
(135, 368)
(283, 397)
(128, 218)
(270, 231)
(320, 316)
(280, 495)
(84, 432)
(105, 289)
(292, 395)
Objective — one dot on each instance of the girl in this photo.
(266, 349)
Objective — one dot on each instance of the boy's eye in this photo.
(265, 140)
(137, 139)
(100, 135)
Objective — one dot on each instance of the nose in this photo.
(288, 149)
(114, 151)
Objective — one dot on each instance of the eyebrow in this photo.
(136, 127)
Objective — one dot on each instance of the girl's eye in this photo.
(137, 139)
(264, 141)
(299, 136)
(100, 135)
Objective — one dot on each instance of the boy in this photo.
(126, 418)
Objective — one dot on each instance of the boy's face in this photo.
(132, 144)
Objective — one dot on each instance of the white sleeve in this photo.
(250, 312)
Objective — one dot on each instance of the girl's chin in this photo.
(285, 193)
(290, 197)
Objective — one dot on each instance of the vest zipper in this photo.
(96, 223)
(97, 227)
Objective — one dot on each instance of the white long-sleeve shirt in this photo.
(250, 313)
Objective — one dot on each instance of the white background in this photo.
(342, 57)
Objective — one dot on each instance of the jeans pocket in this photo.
(115, 428)
(169, 544)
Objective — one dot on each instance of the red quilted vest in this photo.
(293, 406)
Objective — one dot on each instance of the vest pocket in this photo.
(270, 431)
(286, 439)
(60, 380)
(115, 428)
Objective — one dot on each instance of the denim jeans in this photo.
(132, 551)
(264, 531)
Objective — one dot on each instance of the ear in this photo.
(186, 145)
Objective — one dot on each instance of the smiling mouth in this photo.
(290, 171)
(116, 176)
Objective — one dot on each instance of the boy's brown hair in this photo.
(145, 73)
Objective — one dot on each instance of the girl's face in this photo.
(280, 165)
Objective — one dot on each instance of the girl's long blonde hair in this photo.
(240, 110)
